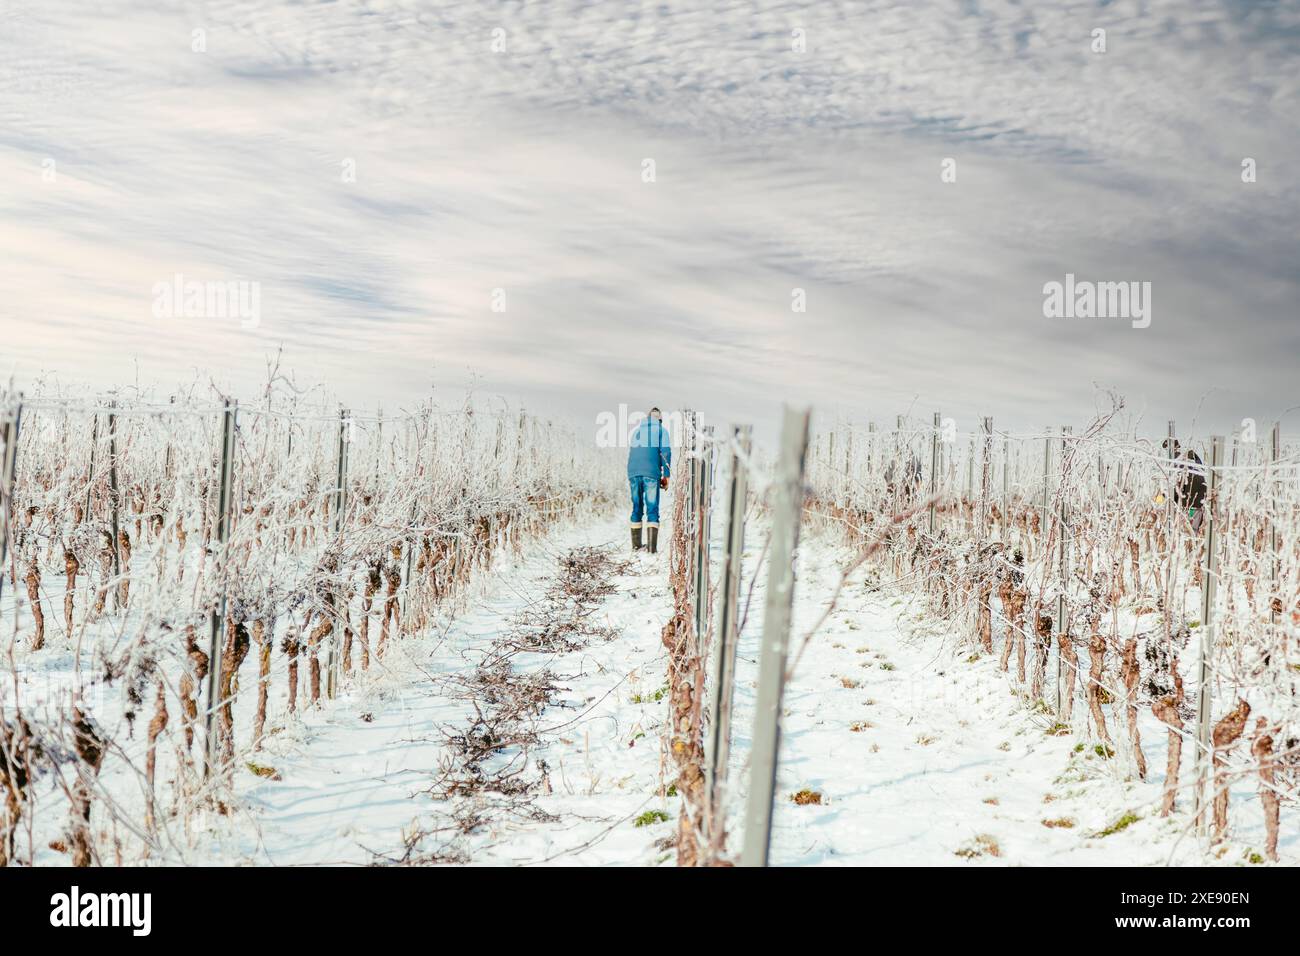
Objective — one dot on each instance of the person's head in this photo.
(656, 415)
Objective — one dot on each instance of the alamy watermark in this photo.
(209, 299)
(74, 908)
(1083, 299)
(615, 429)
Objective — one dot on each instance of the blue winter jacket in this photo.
(650, 451)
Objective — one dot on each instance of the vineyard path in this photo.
(354, 773)
(919, 749)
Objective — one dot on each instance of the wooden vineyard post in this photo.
(691, 443)
(498, 479)
(8, 470)
(1063, 557)
(710, 467)
(1169, 493)
(1205, 652)
(1006, 501)
(984, 476)
(6, 499)
(703, 525)
(723, 658)
(217, 619)
(408, 594)
(845, 484)
(90, 477)
(1274, 599)
(787, 508)
(898, 467)
(334, 659)
(1044, 525)
(112, 503)
(832, 479)
(1047, 464)
(970, 471)
(934, 467)
(700, 553)
(167, 455)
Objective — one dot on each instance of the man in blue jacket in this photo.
(648, 456)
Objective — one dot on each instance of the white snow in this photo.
(919, 749)
(917, 752)
(354, 773)
(947, 751)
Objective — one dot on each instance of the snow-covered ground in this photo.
(922, 751)
(353, 774)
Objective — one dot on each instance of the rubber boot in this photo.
(654, 540)
(636, 538)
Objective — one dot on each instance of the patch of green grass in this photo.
(1101, 750)
(1078, 748)
(267, 773)
(1253, 857)
(1040, 707)
(1058, 729)
(972, 659)
(1123, 823)
(886, 666)
(672, 790)
(654, 698)
(650, 817)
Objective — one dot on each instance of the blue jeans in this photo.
(645, 498)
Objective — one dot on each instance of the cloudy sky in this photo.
(380, 167)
